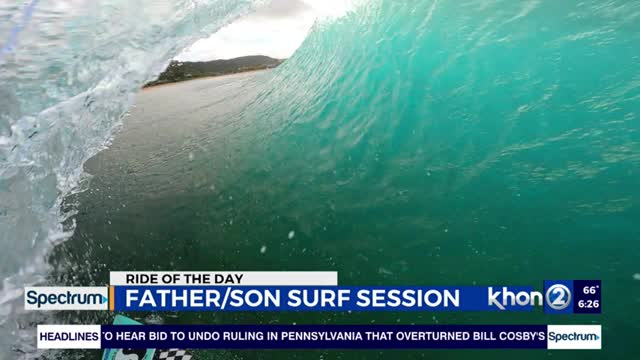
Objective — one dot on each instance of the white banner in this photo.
(69, 337)
(224, 278)
(574, 337)
(46, 298)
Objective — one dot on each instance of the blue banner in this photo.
(325, 336)
(325, 298)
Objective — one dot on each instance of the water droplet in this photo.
(263, 249)
(154, 319)
(292, 234)
(636, 276)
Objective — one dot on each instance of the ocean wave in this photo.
(385, 92)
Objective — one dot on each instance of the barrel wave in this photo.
(499, 136)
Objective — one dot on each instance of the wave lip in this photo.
(68, 72)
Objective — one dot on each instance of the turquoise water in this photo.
(430, 142)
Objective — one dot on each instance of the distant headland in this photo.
(181, 71)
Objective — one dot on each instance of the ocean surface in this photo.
(423, 142)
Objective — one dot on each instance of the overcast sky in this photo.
(276, 29)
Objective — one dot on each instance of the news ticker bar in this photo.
(320, 336)
(579, 296)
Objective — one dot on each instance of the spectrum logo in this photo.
(574, 337)
(66, 298)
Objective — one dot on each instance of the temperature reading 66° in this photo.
(589, 304)
(590, 290)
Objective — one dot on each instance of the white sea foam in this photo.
(68, 72)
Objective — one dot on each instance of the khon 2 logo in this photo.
(557, 297)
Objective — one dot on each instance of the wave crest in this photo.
(68, 70)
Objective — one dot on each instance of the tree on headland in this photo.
(180, 71)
